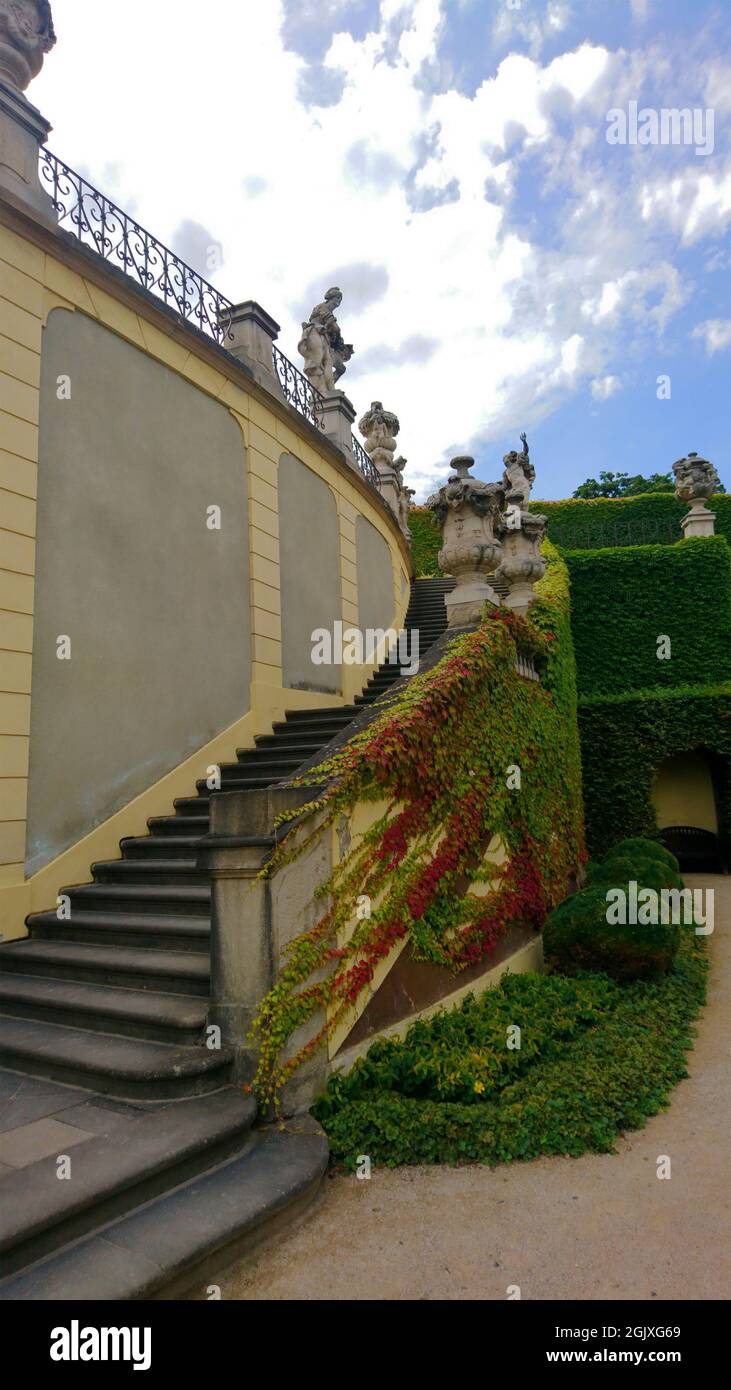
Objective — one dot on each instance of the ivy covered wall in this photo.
(466, 754)
(636, 710)
(626, 601)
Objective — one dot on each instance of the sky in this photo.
(509, 258)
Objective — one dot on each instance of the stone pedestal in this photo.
(252, 333)
(22, 131)
(466, 604)
(522, 563)
(338, 414)
(26, 36)
(243, 951)
(698, 521)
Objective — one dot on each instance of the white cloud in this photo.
(715, 333)
(695, 203)
(602, 387)
(522, 314)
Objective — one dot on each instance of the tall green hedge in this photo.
(625, 738)
(576, 520)
(624, 599)
(426, 539)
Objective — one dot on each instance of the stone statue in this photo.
(467, 511)
(26, 35)
(405, 506)
(696, 480)
(379, 428)
(322, 344)
(521, 532)
(519, 475)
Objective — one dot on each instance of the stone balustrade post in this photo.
(243, 946)
(338, 414)
(251, 334)
(26, 35)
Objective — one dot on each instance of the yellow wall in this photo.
(33, 280)
(682, 793)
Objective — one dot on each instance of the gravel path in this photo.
(597, 1227)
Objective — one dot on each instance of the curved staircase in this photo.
(112, 999)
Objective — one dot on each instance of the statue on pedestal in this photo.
(521, 532)
(322, 345)
(695, 481)
(379, 428)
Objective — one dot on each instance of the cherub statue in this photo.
(519, 475)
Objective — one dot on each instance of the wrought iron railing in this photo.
(124, 243)
(119, 239)
(365, 464)
(297, 389)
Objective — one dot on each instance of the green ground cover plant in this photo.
(597, 1058)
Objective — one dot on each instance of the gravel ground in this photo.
(598, 1227)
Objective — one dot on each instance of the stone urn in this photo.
(26, 35)
(695, 481)
(522, 563)
(466, 510)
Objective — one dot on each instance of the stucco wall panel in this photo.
(375, 595)
(156, 604)
(309, 561)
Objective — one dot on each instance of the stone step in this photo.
(170, 825)
(114, 1174)
(302, 716)
(266, 767)
(189, 1234)
(294, 743)
(133, 1012)
(191, 899)
(174, 971)
(169, 872)
(183, 933)
(247, 781)
(180, 846)
(128, 1068)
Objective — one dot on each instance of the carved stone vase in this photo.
(466, 510)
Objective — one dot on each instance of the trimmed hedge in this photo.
(426, 540)
(644, 848)
(576, 520)
(624, 599)
(650, 873)
(577, 935)
(625, 738)
(596, 1059)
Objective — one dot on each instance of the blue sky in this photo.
(446, 162)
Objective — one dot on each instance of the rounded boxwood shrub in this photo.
(648, 873)
(577, 936)
(644, 848)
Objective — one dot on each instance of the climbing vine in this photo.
(467, 752)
